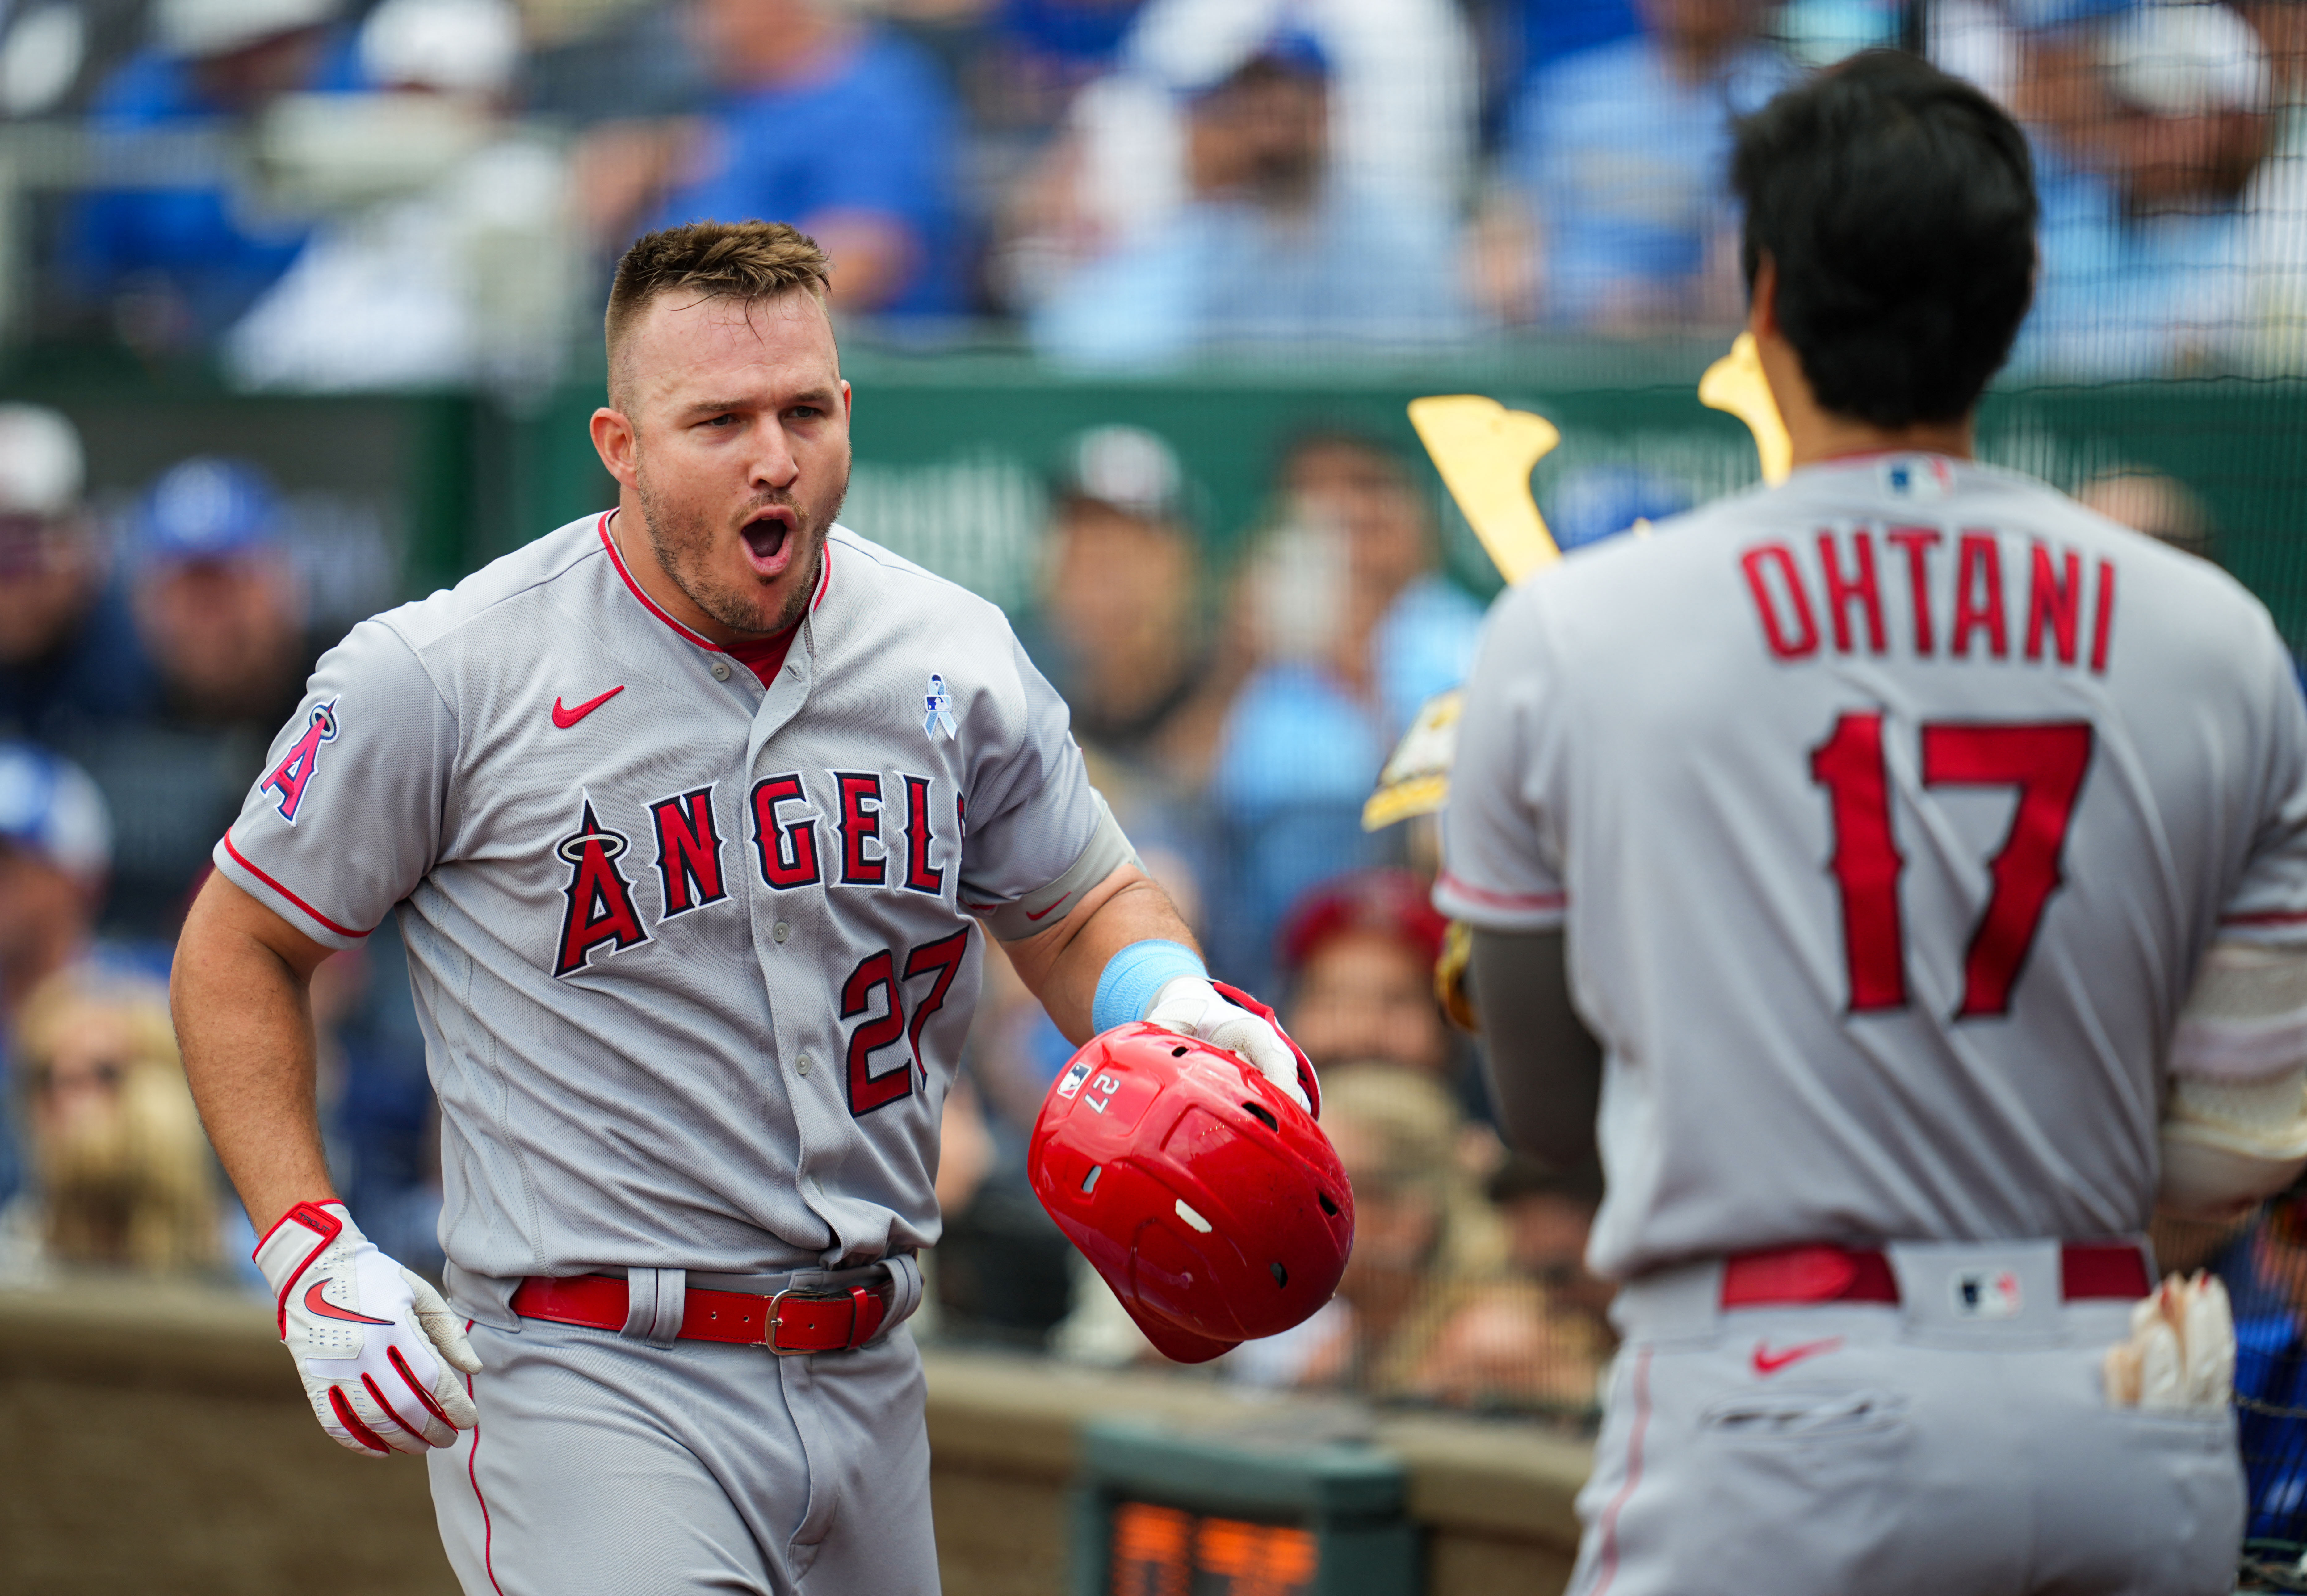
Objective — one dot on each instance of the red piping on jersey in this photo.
(1848, 455)
(472, 1465)
(617, 559)
(2267, 917)
(342, 930)
(1505, 900)
(1606, 1561)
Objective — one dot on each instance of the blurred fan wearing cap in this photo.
(1360, 951)
(1272, 249)
(169, 268)
(1122, 607)
(216, 601)
(2152, 130)
(55, 847)
(68, 658)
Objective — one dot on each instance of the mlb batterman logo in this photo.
(293, 774)
(1918, 476)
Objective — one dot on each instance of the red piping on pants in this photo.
(472, 1464)
(1607, 1560)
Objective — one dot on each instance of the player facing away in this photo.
(693, 813)
(1901, 874)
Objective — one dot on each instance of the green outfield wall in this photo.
(954, 454)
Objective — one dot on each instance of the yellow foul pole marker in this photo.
(1484, 452)
(1736, 383)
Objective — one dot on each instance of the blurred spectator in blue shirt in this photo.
(1400, 101)
(1357, 628)
(1617, 156)
(1552, 30)
(1268, 252)
(175, 265)
(824, 120)
(2147, 241)
(56, 849)
(69, 660)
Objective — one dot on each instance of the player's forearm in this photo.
(244, 1025)
(1061, 965)
(1545, 1068)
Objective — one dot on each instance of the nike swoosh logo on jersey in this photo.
(565, 718)
(1044, 913)
(1768, 1362)
(316, 1303)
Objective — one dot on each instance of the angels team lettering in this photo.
(878, 821)
(1934, 593)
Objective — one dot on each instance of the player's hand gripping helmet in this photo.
(1212, 1204)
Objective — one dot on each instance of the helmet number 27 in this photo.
(2045, 761)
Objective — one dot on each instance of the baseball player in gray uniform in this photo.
(1902, 872)
(695, 815)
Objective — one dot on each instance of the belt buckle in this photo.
(770, 1326)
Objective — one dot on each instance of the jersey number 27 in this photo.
(2044, 760)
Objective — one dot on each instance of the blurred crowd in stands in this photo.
(361, 194)
(327, 196)
(1236, 719)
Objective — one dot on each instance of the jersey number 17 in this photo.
(2044, 760)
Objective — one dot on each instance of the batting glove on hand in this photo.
(1223, 1017)
(369, 1337)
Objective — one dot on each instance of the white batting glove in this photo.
(369, 1337)
(1192, 1007)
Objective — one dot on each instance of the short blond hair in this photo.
(744, 261)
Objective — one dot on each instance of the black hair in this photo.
(1898, 206)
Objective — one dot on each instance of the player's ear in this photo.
(1762, 298)
(612, 440)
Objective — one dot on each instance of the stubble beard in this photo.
(683, 542)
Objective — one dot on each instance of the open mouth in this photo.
(767, 536)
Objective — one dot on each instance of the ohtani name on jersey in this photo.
(1943, 593)
(876, 832)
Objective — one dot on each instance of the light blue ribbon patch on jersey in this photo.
(941, 713)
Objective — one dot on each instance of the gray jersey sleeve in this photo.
(1035, 834)
(1501, 858)
(351, 810)
(2270, 905)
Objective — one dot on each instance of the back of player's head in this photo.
(744, 261)
(1898, 206)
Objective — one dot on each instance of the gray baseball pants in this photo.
(603, 1466)
(1921, 1448)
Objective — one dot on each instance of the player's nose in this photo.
(773, 464)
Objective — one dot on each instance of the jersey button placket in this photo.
(801, 1066)
(720, 670)
(779, 932)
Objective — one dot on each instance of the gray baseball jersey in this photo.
(1888, 813)
(694, 956)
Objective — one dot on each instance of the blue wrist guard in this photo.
(1135, 975)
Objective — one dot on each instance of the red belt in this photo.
(1787, 1276)
(797, 1319)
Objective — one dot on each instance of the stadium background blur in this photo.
(298, 318)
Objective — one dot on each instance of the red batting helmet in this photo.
(1211, 1203)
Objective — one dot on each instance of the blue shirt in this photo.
(2271, 1373)
(2123, 298)
(877, 133)
(211, 245)
(1227, 273)
(1627, 167)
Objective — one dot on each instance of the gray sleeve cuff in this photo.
(1108, 851)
